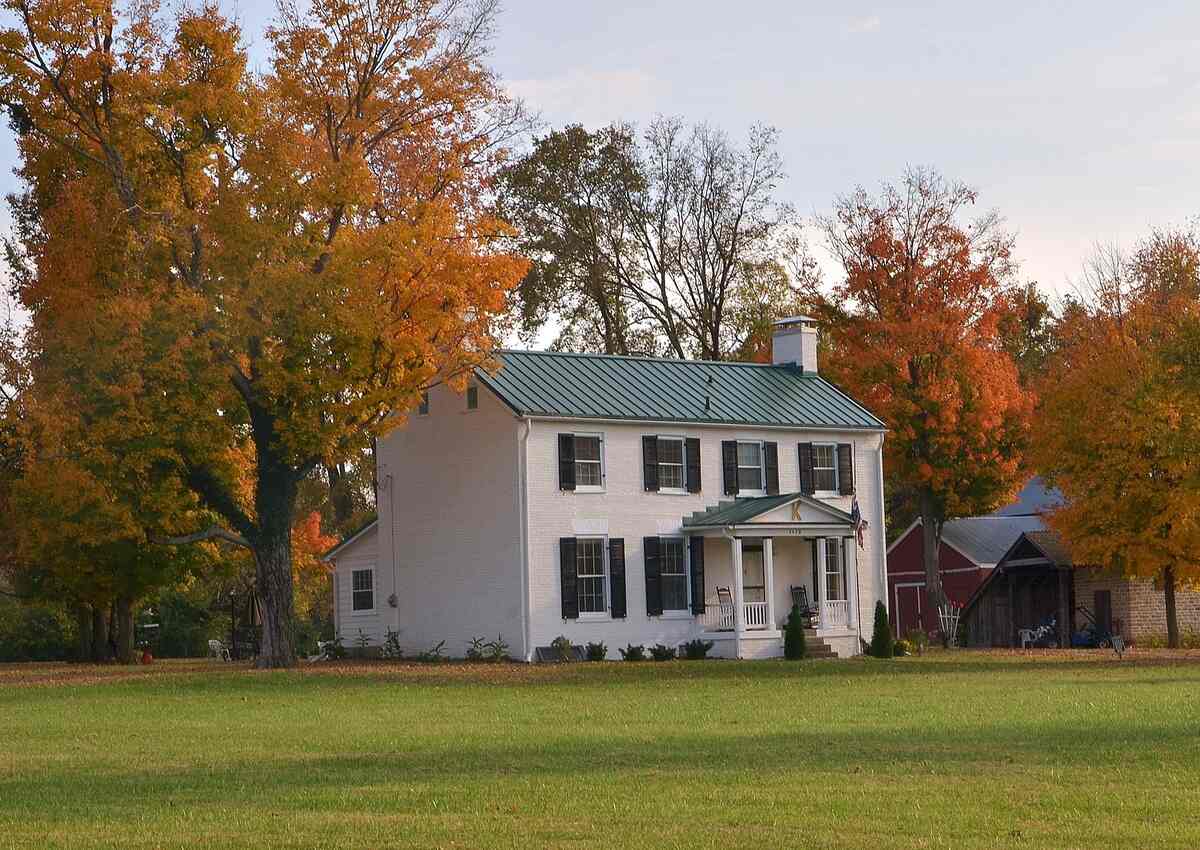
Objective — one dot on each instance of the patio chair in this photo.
(1027, 637)
(724, 608)
(800, 599)
(218, 650)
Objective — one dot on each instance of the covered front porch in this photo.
(764, 554)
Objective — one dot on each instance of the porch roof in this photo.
(747, 509)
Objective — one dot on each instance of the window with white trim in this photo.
(835, 575)
(591, 575)
(671, 475)
(589, 462)
(362, 590)
(423, 405)
(672, 554)
(750, 467)
(825, 473)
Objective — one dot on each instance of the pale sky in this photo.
(1078, 121)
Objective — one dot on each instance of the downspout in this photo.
(881, 535)
(523, 506)
(391, 521)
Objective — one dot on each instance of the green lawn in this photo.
(956, 750)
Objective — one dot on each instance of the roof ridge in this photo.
(789, 367)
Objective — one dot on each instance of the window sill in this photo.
(594, 618)
(751, 493)
(587, 489)
(672, 491)
(363, 612)
(676, 615)
(827, 494)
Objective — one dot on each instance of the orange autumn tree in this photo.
(911, 330)
(1120, 418)
(301, 251)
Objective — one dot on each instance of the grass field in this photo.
(955, 750)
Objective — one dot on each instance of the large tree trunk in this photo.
(275, 502)
(124, 630)
(1172, 616)
(83, 632)
(931, 540)
(99, 640)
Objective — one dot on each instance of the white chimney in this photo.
(794, 342)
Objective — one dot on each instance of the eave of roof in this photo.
(646, 389)
(743, 510)
(350, 538)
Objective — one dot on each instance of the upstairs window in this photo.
(835, 581)
(423, 405)
(362, 590)
(825, 472)
(750, 467)
(589, 462)
(670, 464)
(472, 397)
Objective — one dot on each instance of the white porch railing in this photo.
(835, 613)
(719, 617)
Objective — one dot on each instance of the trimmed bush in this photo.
(795, 645)
(881, 641)
(662, 653)
(633, 653)
(902, 647)
(695, 650)
(596, 651)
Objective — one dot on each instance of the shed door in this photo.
(1103, 601)
(908, 607)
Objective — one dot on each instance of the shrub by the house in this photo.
(596, 651)
(795, 646)
(633, 653)
(695, 650)
(881, 641)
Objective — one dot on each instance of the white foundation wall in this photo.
(450, 525)
(360, 554)
(625, 510)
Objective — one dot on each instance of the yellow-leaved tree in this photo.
(1120, 417)
(288, 256)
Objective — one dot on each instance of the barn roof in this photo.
(653, 389)
(985, 539)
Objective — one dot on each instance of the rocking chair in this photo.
(800, 600)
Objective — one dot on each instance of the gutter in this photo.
(881, 536)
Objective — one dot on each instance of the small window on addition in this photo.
(472, 397)
(423, 405)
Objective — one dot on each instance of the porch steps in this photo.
(817, 648)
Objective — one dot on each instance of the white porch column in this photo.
(739, 596)
(850, 576)
(769, 579)
(820, 588)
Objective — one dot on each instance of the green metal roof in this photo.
(601, 386)
(738, 511)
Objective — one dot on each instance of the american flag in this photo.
(860, 524)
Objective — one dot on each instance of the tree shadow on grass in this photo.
(1074, 747)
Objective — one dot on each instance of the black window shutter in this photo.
(650, 463)
(845, 462)
(771, 467)
(817, 592)
(807, 486)
(569, 575)
(616, 577)
(729, 466)
(566, 461)
(653, 576)
(696, 544)
(691, 449)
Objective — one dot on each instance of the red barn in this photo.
(971, 548)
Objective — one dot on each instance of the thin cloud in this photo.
(590, 97)
(870, 23)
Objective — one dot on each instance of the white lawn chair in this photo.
(218, 650)
(1027, 637)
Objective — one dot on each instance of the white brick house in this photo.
(624, 500)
